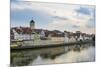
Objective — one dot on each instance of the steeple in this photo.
(32, 25)
(32, 21)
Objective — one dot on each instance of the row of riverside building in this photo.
(30, 33)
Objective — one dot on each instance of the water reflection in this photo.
(70, 57)
(65, 54)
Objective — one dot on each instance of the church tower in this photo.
(32, 25)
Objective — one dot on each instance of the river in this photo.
(64, 54)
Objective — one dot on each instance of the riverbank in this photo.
(50, 45)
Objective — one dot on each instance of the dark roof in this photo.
(32, 21)
(28, 30)
(54, 33)
(22, 30)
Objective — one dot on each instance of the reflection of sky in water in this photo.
(72, 56)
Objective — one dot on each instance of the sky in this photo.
(53, 16)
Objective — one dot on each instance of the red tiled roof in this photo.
(27, 30)
(54, 33)
(21, 30)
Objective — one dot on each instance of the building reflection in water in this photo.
(64, 54)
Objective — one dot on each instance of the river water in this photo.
(64, 54)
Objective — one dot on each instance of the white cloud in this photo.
(89, 2)
(60, 10)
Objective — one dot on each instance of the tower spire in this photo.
(32, 24)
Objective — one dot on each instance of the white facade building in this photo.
(42, 34)
(18, 36)
(66, 39)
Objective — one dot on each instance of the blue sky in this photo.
(53, 16)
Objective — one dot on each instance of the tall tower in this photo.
(32, 25)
